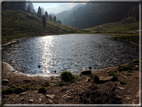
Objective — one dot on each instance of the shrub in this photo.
(96, 79)
(8, 91)
(91, 76)
(114, 78)
(60, 84)
(67, 76)
(52, 77)
(18, 90)
(130, 71)
(120, 68)
(26, 86)
(128, 74)
(136, 78)
(111, 73)
(42, 90)
(124, 68)
(136, 62)
(122, 82)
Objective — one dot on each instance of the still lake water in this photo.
(74, 52)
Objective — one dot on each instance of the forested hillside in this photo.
(93, 14)
(18, 23)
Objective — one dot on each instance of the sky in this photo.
(54, 7)
(59, 7)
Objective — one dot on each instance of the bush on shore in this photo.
(67, 76)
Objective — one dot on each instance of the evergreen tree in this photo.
(43, 21)
(39, 12)
(46, 15)
(59, 21)
(54, 18)
(50, 17)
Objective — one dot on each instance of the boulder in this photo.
(86, 72)
(108, 78)
(4, 81)
(7, 67)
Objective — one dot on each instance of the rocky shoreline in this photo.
(82, 91)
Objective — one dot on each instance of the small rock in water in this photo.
(39, 66)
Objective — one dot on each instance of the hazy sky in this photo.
(59, 7)
(54, 7)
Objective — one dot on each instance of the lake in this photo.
(72, 52)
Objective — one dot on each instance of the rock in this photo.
(31, 100)
(118, 97)
(72, 90)
(128, 98)
(66, 96)
(18, 90)
(67, 91)
(46, 84)
(22, 99)
(50, 101)
(50, 96)
(105, 78)
(4, 81)
(138, 93)
(88, 79)
(122, 88)
(40, 99)
(7, 67)
(86, 72)
(23, 93)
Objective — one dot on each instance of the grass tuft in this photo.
(42, 90)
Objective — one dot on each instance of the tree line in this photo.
(93, 14)
(28, 7)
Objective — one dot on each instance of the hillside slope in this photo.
(115, 27)
(19, 24)
(94, 14)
